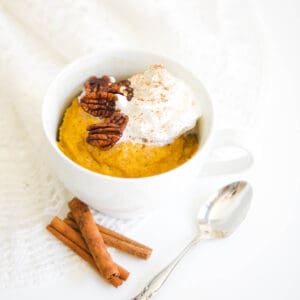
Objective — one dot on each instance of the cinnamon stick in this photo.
(116, 240)
(115, 281)
(115, 234)
(72, 224)
(93, 239)
(76, 237)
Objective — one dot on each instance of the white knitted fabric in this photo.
(218, 40)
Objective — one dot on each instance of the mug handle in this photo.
(233, 138)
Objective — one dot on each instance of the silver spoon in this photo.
(217, 218)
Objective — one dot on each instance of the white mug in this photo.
(128, 197)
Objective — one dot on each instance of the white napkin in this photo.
(218, 40)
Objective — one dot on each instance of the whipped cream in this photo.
(163, 108)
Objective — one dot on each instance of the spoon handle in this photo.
(158, 280)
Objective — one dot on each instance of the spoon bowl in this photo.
(223, 212)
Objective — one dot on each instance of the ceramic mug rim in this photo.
(66, 70)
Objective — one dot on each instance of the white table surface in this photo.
(260, 261)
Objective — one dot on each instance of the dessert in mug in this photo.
(141, 126)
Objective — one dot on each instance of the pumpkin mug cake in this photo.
(137, 127)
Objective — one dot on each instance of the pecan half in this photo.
(122, 87)
(95, 85)
(106, 134)
(100, 95)
(103, 105)
(119, 119)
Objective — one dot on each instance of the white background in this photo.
(261, 261)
